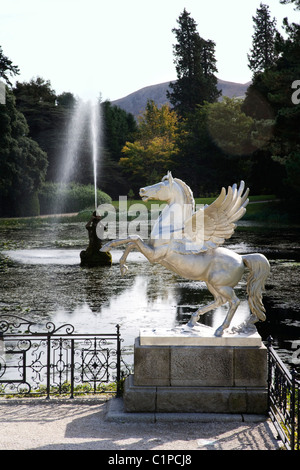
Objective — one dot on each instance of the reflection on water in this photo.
(129, 307)
(40, 256)
(43, 275)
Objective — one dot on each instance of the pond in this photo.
(41, 279)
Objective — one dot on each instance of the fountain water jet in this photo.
(95, 129)
(85, 119)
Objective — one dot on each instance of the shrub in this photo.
(72, 197)
(28, 206)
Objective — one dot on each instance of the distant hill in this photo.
(135, 102)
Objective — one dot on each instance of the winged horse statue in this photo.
(189, 243)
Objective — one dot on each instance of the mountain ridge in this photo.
(136, 101)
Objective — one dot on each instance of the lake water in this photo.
(41, 279)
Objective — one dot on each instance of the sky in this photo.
(116, 47)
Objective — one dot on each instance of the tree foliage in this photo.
(47, 116)
(230, 127)
(152, 153)
(214, 146)
(195, 67)
(263, 53)
(7, 69)
(206, 142)
(118, 126)
(270, 97)
(22, 163)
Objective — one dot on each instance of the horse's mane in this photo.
(188, 193)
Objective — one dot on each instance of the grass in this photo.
(23, 222)
(206, 200)
(261, 208)
(64, 390)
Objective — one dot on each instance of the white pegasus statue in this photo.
(189, 243)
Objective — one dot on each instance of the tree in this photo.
(36, 91)
(289, 117)
(7, 68)
(263, 53)
(230, 127)
(156, 122)
(22, 163)
(195, 66)
(118, 127)
(296, 2)
(271, 92)
(214, 143)
(51, 119)
(66, 99)
(152, 153)
(47, 116)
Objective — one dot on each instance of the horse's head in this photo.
(161, 191)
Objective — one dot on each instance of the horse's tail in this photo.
(259, 268)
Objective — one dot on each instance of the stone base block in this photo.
(199, 335)
(223, 366)
(198, 379)
(247, 400)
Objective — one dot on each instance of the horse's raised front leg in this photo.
(153, 254)
(114, 243)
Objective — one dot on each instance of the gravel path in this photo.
(87, 424)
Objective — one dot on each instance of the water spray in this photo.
(95, 129)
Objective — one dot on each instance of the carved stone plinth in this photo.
(204, 379)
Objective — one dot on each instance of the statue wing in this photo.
(210, 226)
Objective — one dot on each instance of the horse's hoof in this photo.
(105, 248)
(193, 321)
(124, 270)
(219, 331)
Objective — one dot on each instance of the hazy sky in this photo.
(116, 47)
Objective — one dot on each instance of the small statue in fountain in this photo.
(92, 256)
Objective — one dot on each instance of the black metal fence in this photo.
(50, 359)
(37, 359)
(283, 396)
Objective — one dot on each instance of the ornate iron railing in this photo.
(284, 400)
(57, 360)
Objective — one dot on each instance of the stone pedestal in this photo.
(193, 371)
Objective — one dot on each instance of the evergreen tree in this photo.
(118, 127)
(22, 163)
(7, 68)
(271, 96)
(296, 2)
(195, 67)
(263, 53)
(47, 116)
